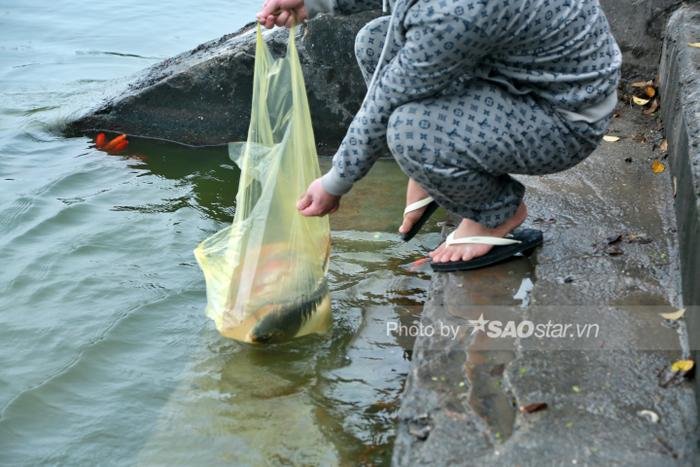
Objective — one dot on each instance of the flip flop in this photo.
(521, 242)
(430, 207)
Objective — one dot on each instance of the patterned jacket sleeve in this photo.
(313, 7)
(440, 48)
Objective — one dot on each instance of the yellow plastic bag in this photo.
(265, 274)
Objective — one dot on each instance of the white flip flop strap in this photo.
(417, 205)
(497, 241)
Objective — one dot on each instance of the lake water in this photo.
(106, 356)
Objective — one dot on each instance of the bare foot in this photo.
(414, 192)
(469, 228)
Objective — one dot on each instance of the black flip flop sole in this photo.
(529, 238)
(429, 211)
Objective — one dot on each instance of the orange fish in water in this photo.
(284, 299)
(415, 266)
(100, 140)
(119, 147)
(116, 142)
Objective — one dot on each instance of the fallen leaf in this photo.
(657, 166)
(675, 187)
(650, 91)
(663, 147)
(611, 139)
(642, 84)
(667, 447)
(649, 415)
(614, 250)
(640, 101)
(694, 44)
(652, 108)
(640, 137)
(541, 220)
(636, 238)
(498, 370)
(614, 239)
(674, 315)
(420, 432)
(534, 407)
(676, 373)
(682, 366)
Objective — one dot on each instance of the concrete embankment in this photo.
(680, 91)
(608, 267)
(621, 246)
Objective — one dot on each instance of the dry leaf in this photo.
(614, 250)
(657, 166)
(534, 407)
(649, 415)
(640, 101)
(682, 366)
(650, 91)
(663, 147)
(675, 187)
(674, 315)
(614, 239)
(637, 238)
(611, 139)
(642, 84)
(652, 108)
(678, 372)
(695, 44)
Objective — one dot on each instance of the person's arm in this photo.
(440, 48)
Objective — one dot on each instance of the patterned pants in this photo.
(462, 145)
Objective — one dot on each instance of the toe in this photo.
(408, 221)
(445, 256)
(436, 253)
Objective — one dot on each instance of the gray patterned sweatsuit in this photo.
(468, 92)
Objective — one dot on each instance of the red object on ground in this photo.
(111, 146)
(100, 140)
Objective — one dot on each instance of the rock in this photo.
(203, 97)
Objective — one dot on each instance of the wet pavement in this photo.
(598, 343)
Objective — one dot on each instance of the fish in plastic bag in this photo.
(265, 274)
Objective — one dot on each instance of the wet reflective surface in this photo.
(106, 353)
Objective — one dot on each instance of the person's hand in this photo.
(282, 13)
(317, 201)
